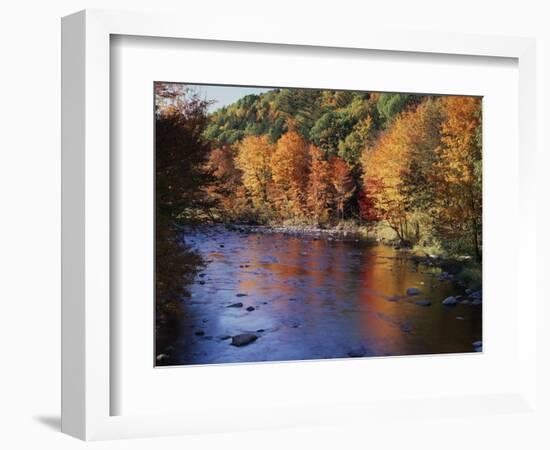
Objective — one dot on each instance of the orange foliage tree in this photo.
(319, 190)
(289, 168)
(342, 183)
(227, 190)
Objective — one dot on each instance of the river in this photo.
(307, 297)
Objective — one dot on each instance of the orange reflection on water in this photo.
(319, 299)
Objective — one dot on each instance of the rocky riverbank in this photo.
(309, 231)
(461, 270)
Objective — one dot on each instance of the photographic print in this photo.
(298, 224)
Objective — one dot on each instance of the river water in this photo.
(314, 298)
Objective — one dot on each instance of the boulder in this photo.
(243, 339)
(413, 291)
(235, 305)
(241, 294)
(449, 301)
(250, 308)
(475, 295)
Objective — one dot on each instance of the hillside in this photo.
(340, 123)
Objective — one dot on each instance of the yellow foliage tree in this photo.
(457, 172)
(254, 160)
(383, 166)
(396, 169)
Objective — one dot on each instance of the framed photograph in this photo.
(267, 230)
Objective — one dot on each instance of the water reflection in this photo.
(314, 298)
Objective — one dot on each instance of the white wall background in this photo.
(30, 194)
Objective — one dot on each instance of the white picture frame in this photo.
(86, 247)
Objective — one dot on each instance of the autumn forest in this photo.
(396, 168)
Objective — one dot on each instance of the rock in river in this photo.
(450, 301)
(423, 302)
(235, 305)
(413, 291)
(357, 353)
(250, 308)
(241, 294)
(243, 339)
(475, 295)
